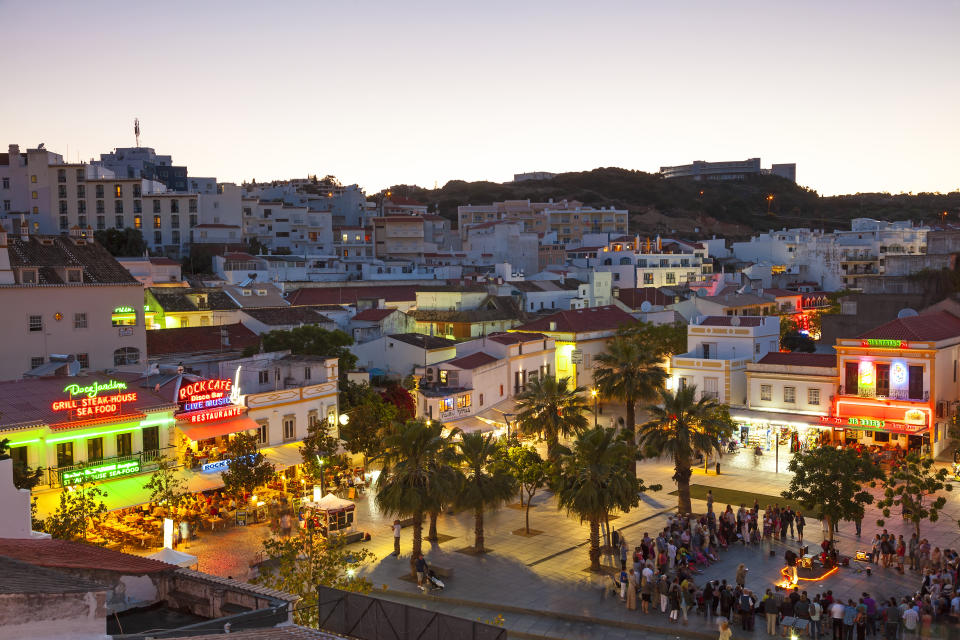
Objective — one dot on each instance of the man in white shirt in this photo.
(836, 614)
(396, 538)
(671, 553)
(911, 621)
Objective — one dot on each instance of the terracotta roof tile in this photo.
(51, 253)
(423, 341)
(64, 554)
(473, 360)
(278, 316)
(373, 315)
(800, 359)
(929, 326)
(633, 298)
(200, 339)
(349, 295)
(582, 320)
(18, 577)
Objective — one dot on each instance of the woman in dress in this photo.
(632, 591)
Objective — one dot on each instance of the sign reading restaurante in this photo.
(206, 401)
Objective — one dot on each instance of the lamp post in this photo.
(769, 202)
(596, 401)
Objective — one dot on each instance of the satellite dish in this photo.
(735, 321)
(645, 306)
(907, 313)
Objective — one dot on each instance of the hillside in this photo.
(723, 208)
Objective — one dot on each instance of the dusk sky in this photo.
(863, 96)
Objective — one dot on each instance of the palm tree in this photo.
(411, 482)
(629, 371)
(446, 480)
(594, 478)
(682, 428)
(550, 407)
(486, 485)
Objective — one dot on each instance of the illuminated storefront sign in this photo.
(885, 344)
(866, 378)
(100, 472)
(205, 390)
(219, 465)
(123, 310)
(86, 402)
(873, 415)
(208, 415)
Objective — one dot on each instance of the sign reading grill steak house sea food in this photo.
(87, 402)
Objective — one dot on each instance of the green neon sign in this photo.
(886, 343)
(123, 310)
(91, 390)
(865, 422)
(100, 472)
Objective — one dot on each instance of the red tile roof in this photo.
(199, 339)
(373, 315)
(582, 320)
(929, 327)
(400, 200)
(725, 321)
(633, 298)
(515, 337)
(473, 360)
(349, 295)
(781, 293)
(65, 554)
(800, 359)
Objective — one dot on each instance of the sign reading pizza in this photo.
(95, 400)
(205, 394)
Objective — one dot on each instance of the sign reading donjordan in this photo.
(95, 400)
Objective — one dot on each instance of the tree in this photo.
(310, 340)
(630, 371)
(662, 340)
(402, 399)
(531, 473)
(353, 394)
(298, 564)
(24, 477)
(317, 449)
(79, 504)
(247, 468)
(913, 486)
(551, 408)
(831, 483)
(368, 422)
(121, 242)
(166, 487)
(414, 479)
(682, 428)
(485, 485)
(594, 478)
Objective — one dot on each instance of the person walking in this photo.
(674, 596)
(741, 575)
(801, 523)
(396, 538)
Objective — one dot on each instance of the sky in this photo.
(863, 96)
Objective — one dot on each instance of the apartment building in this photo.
(399, 237)
(637, 263)
(569, 219)
(276, 224)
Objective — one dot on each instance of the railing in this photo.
(149, 460)
(892, 394)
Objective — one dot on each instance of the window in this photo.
(137, 222)
(82, 207)
(156, 222)
(101, 223)
(711, 388)
(36, 323)
(34, 195)
(33, 179)
(192, 205)
(118, 206)
(174, 206)
(193, 221)
(6, 205)
(850, 378)
(175, 237)
(6, 183)
(790, 394)
(19, 457)
(263, 432)
(463, 401)
(481, 399)
(156, 206)
(75, 276)
(813, 396)
(80, 176)
(126, 355)
(36, 361)
(64, 454)
(84, 360)
(151, 438)
(124, 318)
(136, 191)
(671, 277)
(915, 384)
(158, 237)
(62, 191)
(289, 427)
(174, 222)
(80, 321)
(63, 206)
(137, 206)
(118, 190)
(648, 278)
(124, 444)
(64, 224)
(94, 449)
(263, 377)
(118, 222)
(306, 373)
(29, 276)
(100, 207)
(766, 392)
(99, 190)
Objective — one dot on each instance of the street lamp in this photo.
(769, 202)
(506, 418)
(596, 401)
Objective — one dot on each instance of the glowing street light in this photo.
(596, 400)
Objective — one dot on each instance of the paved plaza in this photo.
(540, 584)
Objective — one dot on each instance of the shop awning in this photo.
(198, 481)
(284, 455)
(121, 493)
(470, 425)
(219, 428)
(498, 412)
(743, 416)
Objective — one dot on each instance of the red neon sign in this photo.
(96, 407)
(205, 390)
(210, 415)
(913, 417)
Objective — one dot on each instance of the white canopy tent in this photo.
(172, 556)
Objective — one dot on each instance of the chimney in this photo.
(553, 325)
(24, 229)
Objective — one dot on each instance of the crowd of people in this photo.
(662, 579)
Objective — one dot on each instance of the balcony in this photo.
(894, 394)
(146, 461)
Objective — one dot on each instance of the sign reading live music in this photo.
(95, 400)
(206, 401)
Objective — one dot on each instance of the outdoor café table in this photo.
(212, 521)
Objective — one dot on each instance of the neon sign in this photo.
(885, 344)
(100, 472)
(96, 407)
(208, 415)
(204, 391)
(865, 422)
(123, 310)
(92, 390)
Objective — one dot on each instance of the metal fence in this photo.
(368, 618)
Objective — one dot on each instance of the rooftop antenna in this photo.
(136, 130)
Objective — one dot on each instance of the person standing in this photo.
(770, 609)
(623, 553)
(816, 611)
(747, 605)
(801, 523)
(725, 632)
(741, 575)
(836, 615)
(632, 591)
(709, 500)
(396, 538)
(421, 567)
(891, 619)
(912, 551)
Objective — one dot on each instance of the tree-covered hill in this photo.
(728, 208)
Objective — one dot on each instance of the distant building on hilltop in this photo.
(533, 175)
(728, 170)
